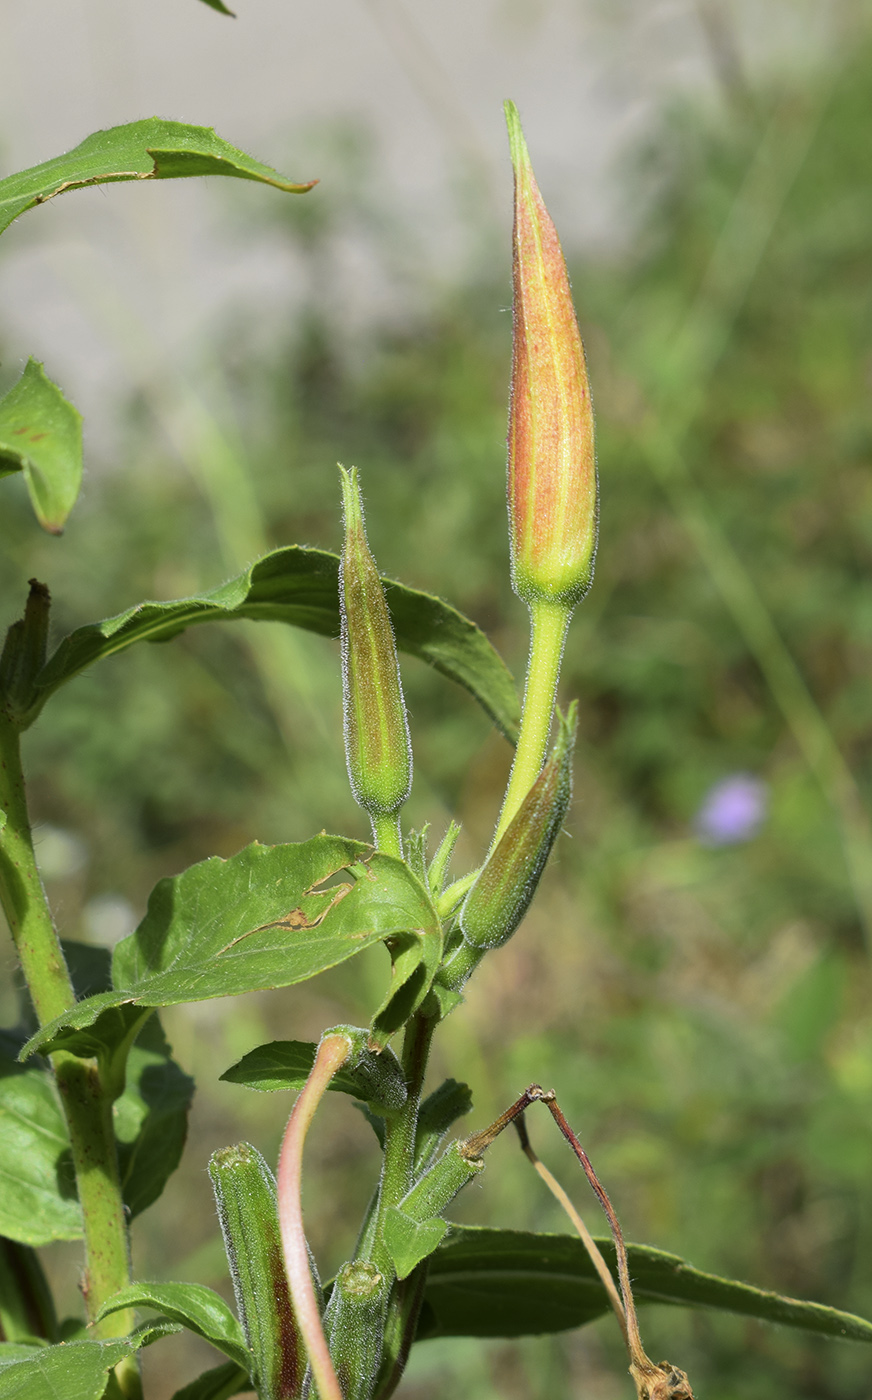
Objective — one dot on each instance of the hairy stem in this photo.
(400, 1131)
(87, 1107)
(549, 623)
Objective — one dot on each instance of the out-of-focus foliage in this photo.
(700, 1006)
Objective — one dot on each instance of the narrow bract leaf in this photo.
(152, 149)
(285, 1064)
(301, 587)
(41, 436)
(38, 1201)
(509, 1283)
(199, 1309)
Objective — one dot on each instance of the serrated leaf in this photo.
(285, 1064)
(71, 1370)
(301, 587)
(220, 1383)
(38, 1201)
(41, 436)
(152, 149)
(194, 1306)
(507, 1283)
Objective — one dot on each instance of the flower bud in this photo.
(377, 745)
(552, 465)
(501, 895)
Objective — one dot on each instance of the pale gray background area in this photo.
(104, 285)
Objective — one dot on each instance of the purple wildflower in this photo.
(732, 811)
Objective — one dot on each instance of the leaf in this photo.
(27, 1309)
(151, 1119)
(146, 150)
(507, 1283)
(41, 436)
(194, 1306)
(222, 9)
(409, 1241)
(220, 1383)
(439, 1110)
(38, 1201)
(71, 1370)
(268, 918)
(285, 1064)
(301, 587)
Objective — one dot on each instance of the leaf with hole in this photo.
(152, 149)
(507, 1283)
(41, 437)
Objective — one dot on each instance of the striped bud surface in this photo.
(377, 744)
(501, 895)
(552, 464)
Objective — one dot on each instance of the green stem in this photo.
(387, 836)
(88, 1109)
(549, 623)
(400, 1131)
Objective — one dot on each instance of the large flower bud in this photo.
(377, 744)
(552, 465)
(501, 895)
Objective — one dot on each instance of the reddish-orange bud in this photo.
(552, 464)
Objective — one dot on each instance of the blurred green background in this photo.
(700, 1005)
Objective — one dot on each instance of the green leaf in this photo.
(221, 1382)
(301, 587)
(147, 150)
(38, 1201)
(151, 1119)
(285, 1064)
(439, 1110)
(100, 1025)
(507, 1283)
(194, 1306)
(268, 917)
(41, 436)
(26, 1304)
(71, 1370)
(409, 1241)
(223, 10)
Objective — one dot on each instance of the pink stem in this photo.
(332, 1054)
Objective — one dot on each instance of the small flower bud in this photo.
(552, 465)
(377, 745)
(501, 895)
